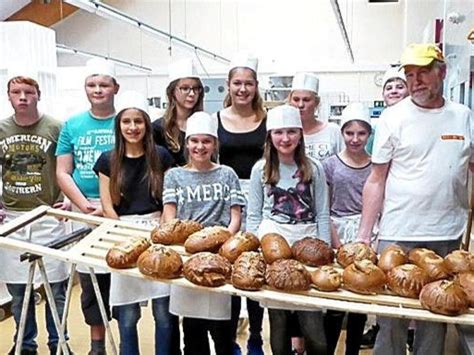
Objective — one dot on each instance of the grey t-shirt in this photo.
(346, 184)
(203, 196)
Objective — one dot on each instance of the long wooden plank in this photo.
(23, 220)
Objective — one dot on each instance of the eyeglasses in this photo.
(186, 90)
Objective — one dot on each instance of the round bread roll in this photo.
(248, 271)
(459, 261)
(312, 252)
(160, 262)
(363, 276)
(407, 280)
(466, 281)
(326, 278)
(237, 244)
(207, 269)
(350, 252)
(392, 256)
(288, 275)
(207, 239)
(444, 297)
(275, 247)
(175, 231)
(429, 261)
(125, 255)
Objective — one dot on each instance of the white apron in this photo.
(244, 187)
(347, 228)
(45, 230)
(128, 289)
(292, 233)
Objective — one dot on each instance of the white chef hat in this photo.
(305, 81)
(393, 73)
(201, 122)
(355, 111)
(284, 116)
(100, 66)
(181, 69)
(244, 60)
(131, 99)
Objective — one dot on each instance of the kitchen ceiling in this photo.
(9, 7)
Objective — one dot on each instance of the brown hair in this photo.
(271, 169)
(171, 129)
(154, 168)
(257, 101)
(24, 80)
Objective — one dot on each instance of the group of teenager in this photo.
(243, 168)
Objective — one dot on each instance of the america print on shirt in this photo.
(294, 202)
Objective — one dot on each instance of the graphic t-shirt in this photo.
(86, 137)
(28, 163)
(324, 143)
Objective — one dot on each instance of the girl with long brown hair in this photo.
(131, 186)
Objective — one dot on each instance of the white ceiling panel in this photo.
(9, 7)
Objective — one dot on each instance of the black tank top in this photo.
(241, 151)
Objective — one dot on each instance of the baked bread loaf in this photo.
(444, 297)
(363, 276)
(350, 252)
(391, 257)
(160, 262)
(429, 261)
(466, 281)
(248, 271)
(175, 231)
(312, 252)
(207, 239)
(275, 247)
(125, 255)
(326, 278)
(288, 275)
(407, 280)
(459, 261)
(207, 269)
(237, 244)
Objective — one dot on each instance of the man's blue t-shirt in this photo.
(86, 137)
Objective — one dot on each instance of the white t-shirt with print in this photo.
(429, 152)
(324, 143)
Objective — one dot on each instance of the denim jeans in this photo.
(312, 327)
(128, 316)
(17, 291)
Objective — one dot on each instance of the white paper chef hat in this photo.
(305, 81)
(393, 73)
(355, 111)
(201, 123)
(284, 116)
(131, 99)
(100, 66)
(244, 60)
(181, 69)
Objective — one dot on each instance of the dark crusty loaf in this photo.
(312, 252)
(248, 271)
(288, 275)
(207, 269)
(407, 280)
(175, 231)
(160, 262)
(125, 255)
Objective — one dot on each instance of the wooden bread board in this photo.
(92, 249)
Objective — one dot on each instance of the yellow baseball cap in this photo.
(421, 54)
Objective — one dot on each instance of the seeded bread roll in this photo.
(391, 257)
(364, 277)
(459, 261)
(125, 254)
(407, 280)
(275, 247)
(237, 244)
(160, 262)
(248, 272)
(429, 261)
(207, 239)
(326, 278)
(288, 275)
(350, 252)
(207, 269)
(312, 252)
(175, 231)
(444, 297)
